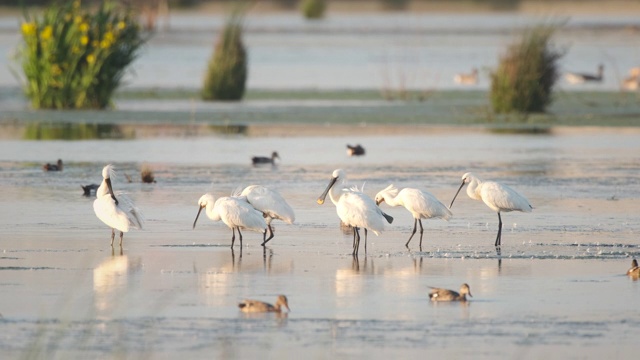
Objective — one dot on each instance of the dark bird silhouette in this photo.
(53, 167)
(355, 150)
(89, 188)
(257, 160)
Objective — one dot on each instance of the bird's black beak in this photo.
(457, 192)
(113, 196)
(320, 200)
(196, 220)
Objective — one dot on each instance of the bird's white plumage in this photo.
(498, 197)
(235, 212)
(353, 207)
(421, 204)
(269, 202)
(122, 216)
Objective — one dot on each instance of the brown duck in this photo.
(438, 294)
(252, 306)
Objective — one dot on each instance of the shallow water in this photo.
(558, 288)
(367, 51)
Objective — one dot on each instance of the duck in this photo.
(580, 78)
(634, 271)
(87, 189)
(53, 167)
(256, 160)
(255, 306)
(438, 294)
(467, 79)
(632, 82)
(357, 150)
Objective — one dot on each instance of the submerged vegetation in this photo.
(527, 73)
(73, 59)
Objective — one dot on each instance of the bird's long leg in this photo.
(354, 239)
(121, 235)
(233, 237)
(415, 224)
(356, 244)
(421, 232)
(365, 241)
(240, 234)
(499, 237)
(113, 235)
(265, 234)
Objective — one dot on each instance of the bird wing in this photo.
(500, 197)
(269, 202)
(359, 210)
(134, 215)
(237, 212)
(424, 204)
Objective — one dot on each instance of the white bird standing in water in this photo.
(421, 204)
(498, 197)
(271, 204)
(234, 211)
(355, 209)
(118, 213)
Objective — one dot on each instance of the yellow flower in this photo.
(46, 32)
(105, 44)
(28, 28)
(76, 4)
(78, 19)
(84, 40)
(91, 58)
(121, 25)
(84, 27)
(55, 69)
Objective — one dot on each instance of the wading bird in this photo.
(235, 212)
(252, 306)
(118, 213)
(421, 205)
(271, 204)
(257, 160)
(580, 78)
(498, 197)
(53, 167)
(355, 209)
(438, 294)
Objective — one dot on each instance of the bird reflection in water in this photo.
(110, 281)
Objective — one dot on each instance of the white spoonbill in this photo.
(498, 197)
(271, 204)
(421, 204)
(118, 213)
(235, 212)
(355, 209)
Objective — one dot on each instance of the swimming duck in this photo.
(467, 79)
(53, 167)
(579, 78)
(357, 150)
(634, 271)
(438, 294)
(256, 160)
(251, 306)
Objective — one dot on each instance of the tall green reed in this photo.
(73, 59)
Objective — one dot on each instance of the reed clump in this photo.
(74, 59)
(314, 9)
(524, 79)
(226, 75)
